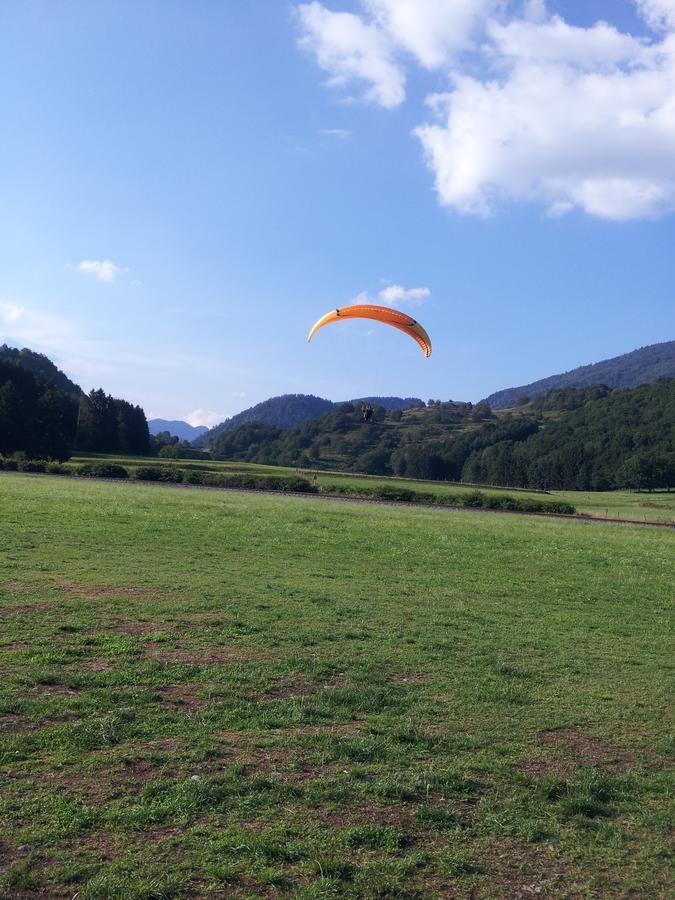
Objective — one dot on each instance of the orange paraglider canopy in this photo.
(385, 314)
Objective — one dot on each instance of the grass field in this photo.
(225, 694)
(646, 506)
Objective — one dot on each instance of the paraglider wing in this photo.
(384, 314)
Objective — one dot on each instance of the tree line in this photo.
(44, 421)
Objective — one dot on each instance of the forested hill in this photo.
(42, 368)
(643, 366)
(290, 410)
(578, 439)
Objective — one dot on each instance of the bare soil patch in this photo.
(11, 722)
(207, 656)
(25, 610)
(93, 592)
(515, 871)
(182, 696)
(95, 665)
(297, 686)
(541, 766)
(58, 689)
(586, 750)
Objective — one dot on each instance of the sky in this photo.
(186, 186)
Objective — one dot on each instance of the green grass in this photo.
(255, 695)
(641, 506)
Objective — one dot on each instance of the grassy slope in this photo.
(205, 691)
(641, 506)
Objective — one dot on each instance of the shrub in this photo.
(108, 470)
(192, 477)
(147, 473)
(170, 474)
(31, 465)
(9, 465)
(474, 500)
(386, 492)
(295, 483)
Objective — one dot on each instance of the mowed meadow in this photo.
(209, 693)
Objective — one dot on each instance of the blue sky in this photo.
(185, 187)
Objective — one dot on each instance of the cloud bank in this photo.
(536, 109)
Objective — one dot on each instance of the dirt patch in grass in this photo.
(95, 665)
(163, 745)
(183, 697)
(93, 592)
(16, 645)
(545, 765)
(101, 844)
(297, 686)
(511, 870)
(366, 812)
(287, 761)
(12, 722)
(58, 689)
(25, 610)
(586, 750)
(117, 777)
(207, 656)
(7, 855)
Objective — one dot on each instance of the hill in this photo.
(643, 366)
(578, 439)
(41, 367)
(177, 427)
(291, 410)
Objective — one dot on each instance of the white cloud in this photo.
(342, 134)
(395, 295)
(351, 50)
(554, 132)
(205, 417)
(660, 14)
(554, 41)
(537, 111)
(102, 270)
(433, 31)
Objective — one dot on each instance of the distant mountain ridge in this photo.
(643, 366)
(177, 427)
(291, 410)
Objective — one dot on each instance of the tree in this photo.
(632, 474)
(12, 421)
